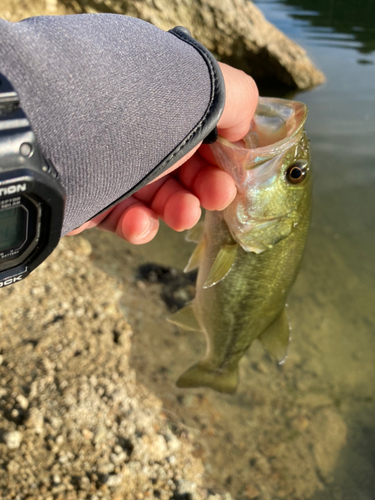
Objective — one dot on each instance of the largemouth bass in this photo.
(249, 254)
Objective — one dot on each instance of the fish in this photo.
(248, 255)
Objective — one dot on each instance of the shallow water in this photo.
(307, 429)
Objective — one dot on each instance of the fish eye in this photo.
(296, 173)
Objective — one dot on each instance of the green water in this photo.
(338, 278)
(307, 429)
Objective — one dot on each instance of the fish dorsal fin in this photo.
(222, 265)
(195, 234)
(195, 257)
(276, 337)
(185, 318)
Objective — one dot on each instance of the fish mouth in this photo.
(276, 126)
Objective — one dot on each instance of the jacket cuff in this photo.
(205, 130)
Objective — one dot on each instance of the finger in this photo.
(177, 206)
(188, 172)
(178, 163)
(148, 192)
(132, 221)
(214, 188)
(138, 224)
(241, 99)
(89, 224)
(182, 210)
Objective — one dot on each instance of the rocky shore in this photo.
(74, 421)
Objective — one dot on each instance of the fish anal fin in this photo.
(222, 265)
(195, 234)
(185, 318)
(276, 337)
(195, 257)
(200, 376)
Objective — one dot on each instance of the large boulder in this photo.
(234, 30)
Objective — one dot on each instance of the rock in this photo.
(186, 489)
(252, 493)
(262, 367)
(262, 464)
(300, 423)
(234, 30)
(314, 400)
(35, 420)
(325, 451)
(114, 480)
(13, 439)
(22, 401)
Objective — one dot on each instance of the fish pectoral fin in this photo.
(276, 337)
(185, 318)
(195, 234)
(222, 265)
(201, 376)
(195, 257)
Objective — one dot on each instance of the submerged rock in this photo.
(234, 30)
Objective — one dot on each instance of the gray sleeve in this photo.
(113, 100)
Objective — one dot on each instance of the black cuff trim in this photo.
(212, 136)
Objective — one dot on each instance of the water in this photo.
(306, 430)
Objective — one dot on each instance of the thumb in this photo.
(241, 99)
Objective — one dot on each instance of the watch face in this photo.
(13, 228)
(20, 219)
(32, 199)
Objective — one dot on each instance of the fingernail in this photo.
(146, 229)
(149, 227)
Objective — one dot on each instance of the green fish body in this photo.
(249, 254)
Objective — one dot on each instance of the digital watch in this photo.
(32, 199)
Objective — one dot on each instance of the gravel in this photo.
(74, 422)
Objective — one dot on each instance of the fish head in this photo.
(271, 169)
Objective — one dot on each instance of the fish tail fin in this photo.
(200, 376)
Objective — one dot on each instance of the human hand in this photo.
(193, 182)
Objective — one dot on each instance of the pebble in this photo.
(251, 492)
(22, 401)
(13, 439)
(59, 440)
(186, 488)
(262, 367)
(262, 464)
(35, 420)
(87, 434)
(300, 423)
(114, 480)
(106, 468)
